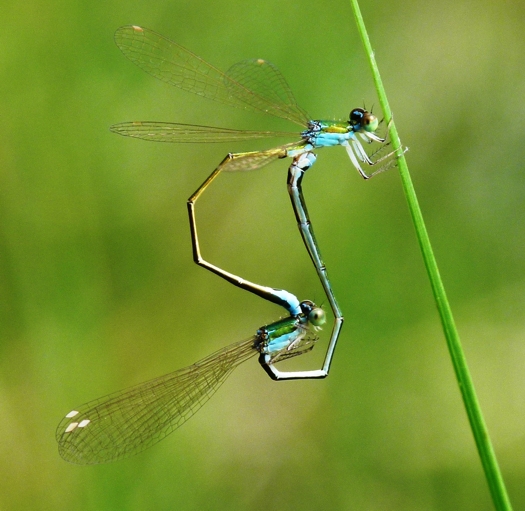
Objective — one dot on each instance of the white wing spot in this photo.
(84, 423)
(137, 29)
(72, 413)
(71, 427)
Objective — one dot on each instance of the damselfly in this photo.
(131, 420)
(259, 86)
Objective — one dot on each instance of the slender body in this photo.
(255, 85)
(127, 422)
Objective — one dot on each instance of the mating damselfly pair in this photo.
(129, 421)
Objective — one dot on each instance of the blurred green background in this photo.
(98, 290)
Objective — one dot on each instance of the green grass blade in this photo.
(466, 386)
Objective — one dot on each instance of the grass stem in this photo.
(466, 386)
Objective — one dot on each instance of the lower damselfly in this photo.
(256, 85)
(127, 422)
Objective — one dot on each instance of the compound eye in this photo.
(317, 316)
(356, 116)
(370, 122)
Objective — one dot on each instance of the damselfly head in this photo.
(362, 120)
(315, 315)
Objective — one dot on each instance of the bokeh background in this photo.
(98, 290)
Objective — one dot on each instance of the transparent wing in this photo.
(182, 133)
(252, 84)
(259, 84)
(131, 420)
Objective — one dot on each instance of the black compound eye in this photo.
(356, 116)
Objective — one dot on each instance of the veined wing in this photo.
(253, 84)
(131, 420)
(182, 133)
